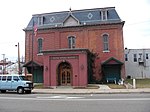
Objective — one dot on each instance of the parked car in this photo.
(15, 82)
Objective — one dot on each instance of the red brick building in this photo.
(75, 47)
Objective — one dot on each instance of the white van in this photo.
(15, 82)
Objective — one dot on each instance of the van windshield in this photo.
(22, 78)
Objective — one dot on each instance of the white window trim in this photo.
(39, 54)
(104, 13)
(105, 51)
(71, 42)
(40, 20)
(38, 44)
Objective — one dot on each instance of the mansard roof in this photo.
(82, 17)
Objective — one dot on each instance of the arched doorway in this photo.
(64, 74)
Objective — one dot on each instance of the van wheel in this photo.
(20, 90)
(3, 91)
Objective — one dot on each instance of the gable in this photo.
(32, 63)
(112, 61)
(71, 21)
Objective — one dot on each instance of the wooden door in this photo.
(65, 77)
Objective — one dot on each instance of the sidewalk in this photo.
(102, 90)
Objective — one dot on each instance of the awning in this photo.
(112, 61)
(32, 64)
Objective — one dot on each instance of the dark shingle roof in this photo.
(84, 17)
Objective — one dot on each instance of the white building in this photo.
(137, 63)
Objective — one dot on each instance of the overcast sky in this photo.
(16, 14)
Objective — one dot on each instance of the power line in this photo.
(13, 42)
(140, 22)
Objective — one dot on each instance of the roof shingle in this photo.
(85, 17)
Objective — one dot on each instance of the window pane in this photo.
(105, 38)
(71, 42)
(22, 78)
(40, 42)
(105, 42)
(9, 78)
(146, 56)
(126, 57)
(135, 57)
(15, 78)
(4, 78)
(105, 46)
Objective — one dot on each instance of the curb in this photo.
(89, 91)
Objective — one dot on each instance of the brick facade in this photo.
(86, 37)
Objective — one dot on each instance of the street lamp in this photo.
(19, 69)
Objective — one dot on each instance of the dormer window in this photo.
(40, 20)
(104, 15)
(71, 42)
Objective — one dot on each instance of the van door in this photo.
(15, 82)
(8, 82)
(4, 84)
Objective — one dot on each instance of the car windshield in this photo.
(22, 78)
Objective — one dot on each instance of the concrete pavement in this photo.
(103, 89)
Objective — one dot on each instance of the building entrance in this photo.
(64, 74)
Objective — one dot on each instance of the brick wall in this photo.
(86, 37)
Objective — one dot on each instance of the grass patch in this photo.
(115, 86)
(140, 83)
(38, 86)
(90, 86)
(41, 86)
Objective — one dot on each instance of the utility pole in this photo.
(3, 63)
(19, 69)
(34, 32)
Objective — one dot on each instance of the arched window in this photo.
(71, 42)
(40, 45)
(105, 42)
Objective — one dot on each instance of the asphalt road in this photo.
(12, 102)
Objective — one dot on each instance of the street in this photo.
(12, 102)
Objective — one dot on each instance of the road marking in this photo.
(16, 98)
(73, 99)
(122, 99)
(53, 97)
(60, 97)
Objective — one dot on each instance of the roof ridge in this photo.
(73, 11)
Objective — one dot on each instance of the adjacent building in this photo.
(137, 63)
(75, 47)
